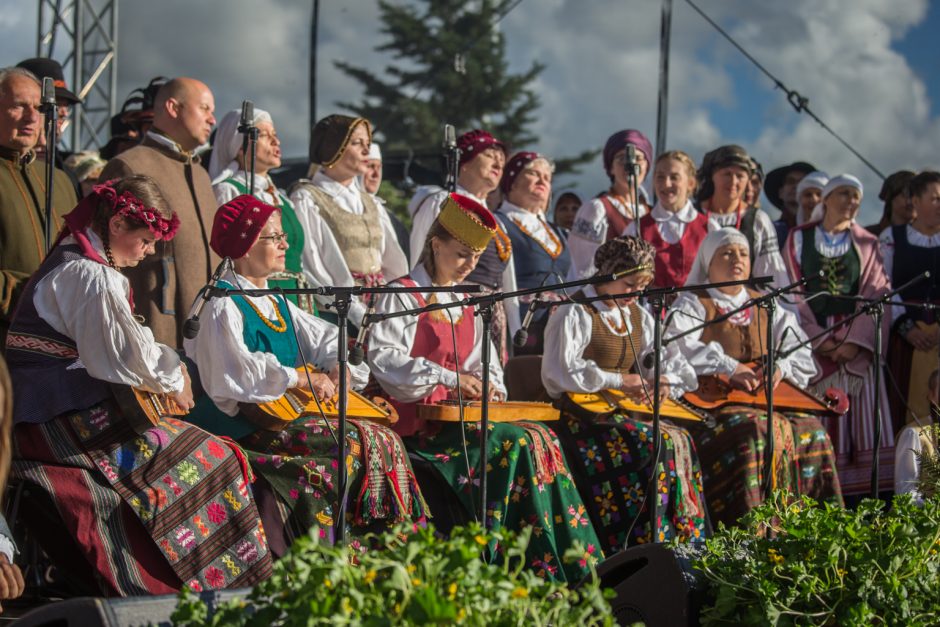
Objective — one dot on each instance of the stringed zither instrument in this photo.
(502, 411)
(301, 403)
(609, 401)
(143, 409)
(715, 391)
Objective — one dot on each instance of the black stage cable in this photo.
(799, 102)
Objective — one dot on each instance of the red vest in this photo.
(434, 342)
(616, 222)
(674, 261)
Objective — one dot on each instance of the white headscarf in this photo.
(375, 152)
(228, 141)
(711, 244)
(817, 179)
(840, 180)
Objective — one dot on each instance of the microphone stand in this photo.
(875, 308)
(342, 298)
(250, 142)
(50, 111)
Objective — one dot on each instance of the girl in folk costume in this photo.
(850, 259)
(723, 179)
(248, 353)
(417, 361)
(612, 212)
(918, 439)
(674, 227)
(482, 160)
(909, 250)
(540, 255)
(228, 169)
(599, 346)
(809, 194)
(351, 233)
(732, 452)
(149, 510)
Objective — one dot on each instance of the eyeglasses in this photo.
(275, 238)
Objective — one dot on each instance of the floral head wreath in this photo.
(129, 206)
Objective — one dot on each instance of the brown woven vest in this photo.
(608, 350)
(743, 343)
(359, 237)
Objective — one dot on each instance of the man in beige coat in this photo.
(166, 284)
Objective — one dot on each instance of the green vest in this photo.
(258, 338)
(840, 277)
(295, 240)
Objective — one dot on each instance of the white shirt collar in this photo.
(729, 301)
(334, 187)
(687, 214)
(463, 191)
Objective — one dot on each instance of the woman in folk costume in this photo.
(599, 346)
(919, 438)
(418, 360)
(228, 169)
(352, 235)
(723, 179)
(150, 510)
(540, 255)
(909, 250)
(481, 166)
(898, 208)
(732, 452)
(851, 262)
(253, 349)
(809, 194)
(612, 212)
(674, 227)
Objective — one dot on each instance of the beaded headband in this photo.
(469, 222)
(127, 205)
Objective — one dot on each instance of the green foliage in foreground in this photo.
(798, 564)
(416, 579)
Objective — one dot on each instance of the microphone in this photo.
(449, 144)
(357, 353)
(48, 95)
(191, 326)
(246, 122)
(522, 335)
(450, 137)
(632, 160)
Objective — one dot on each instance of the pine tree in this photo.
(449, 67)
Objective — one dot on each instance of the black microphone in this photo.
(48, 95)
(191, 326)
(449, 144)
(246, 122)
(522, 335)
(632, 160)
(357, 353)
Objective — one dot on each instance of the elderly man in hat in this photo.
(166, 284)
(780, 189)
(22, 188)
(724, 176)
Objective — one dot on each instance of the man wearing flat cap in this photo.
(780, 189)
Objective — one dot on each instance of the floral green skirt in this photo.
(528, 484)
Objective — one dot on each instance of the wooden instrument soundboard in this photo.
(503, 411)
(608, 401)
(301, 403)
(145, 409)
(716, 391)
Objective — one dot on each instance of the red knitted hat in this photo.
(476, 141)
(238, 224)
(514, 168)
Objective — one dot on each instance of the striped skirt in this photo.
(149, 512)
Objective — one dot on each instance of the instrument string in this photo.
(463, 432)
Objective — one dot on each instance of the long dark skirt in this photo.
(611, 459)
(148, 512)
(300, 464)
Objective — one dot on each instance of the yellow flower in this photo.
(327, 583)
(519, 592)
(370, 576)
(480, 540)
(461, 614)
(841, 572)
(775, 557)
(415, 581)
(452, 590)
(412, 568)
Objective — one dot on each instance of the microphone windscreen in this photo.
(191, 328)
(520, 338)
(356, 354)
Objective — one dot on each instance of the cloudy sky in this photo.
(869, 68)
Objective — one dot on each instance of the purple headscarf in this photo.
(619, 140)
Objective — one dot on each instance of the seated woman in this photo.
(253, 349)
(732, 453)
(598, 346)
(418, 361)
(150, 510)
(540, 255)
(916, 440)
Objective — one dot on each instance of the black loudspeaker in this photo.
(126, 612)
(654, 586)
